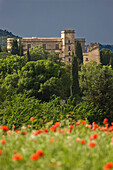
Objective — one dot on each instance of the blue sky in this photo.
(91, 19)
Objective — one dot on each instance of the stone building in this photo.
(63, 46)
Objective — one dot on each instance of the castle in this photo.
(63, 46)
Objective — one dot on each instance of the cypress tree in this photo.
(75, 91)
(78, 52)
(111, 61)
(28, 55)
(20, 48)
(14, 48)
(0, 49)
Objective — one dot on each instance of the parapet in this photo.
(93, 46)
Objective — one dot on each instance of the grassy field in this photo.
(74, 147)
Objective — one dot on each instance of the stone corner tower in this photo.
(68, 45)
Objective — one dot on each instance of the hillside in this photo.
(4, 34)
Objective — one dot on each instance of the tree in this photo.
(4, 49)
(111, 61)
(74, 78)
(78, 52)
(14, 48)
(37, 53)
(96, 82)
(0, 49)
(20, 48)
(105, 55)
(28, 57)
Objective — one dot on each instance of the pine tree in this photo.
(75, 91)
(28, 55)
(14, 48)
(78, 52)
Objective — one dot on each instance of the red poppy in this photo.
(0, 152)
(53, 128)
(34, 157)
(24, 133)
(3, 141)
(57, 124)
(82, 141)
(45, 131)
(32, 118)
(94, 136)
(40, 152)
(16, 131)
(17, 157)
(92, 144)
(71, 126)
(84, 122)
(5, 128)
(77, 123)
(105, 120)
(108, 166)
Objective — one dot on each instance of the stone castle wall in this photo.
(63, 46)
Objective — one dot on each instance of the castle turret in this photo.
(68, 45)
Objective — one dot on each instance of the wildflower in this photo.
(40, 152)
(77, 123)
(14, 151)
(105, 120)
(13, 127)
(52, 139)
(57, 124)
(5, 128)
(108, 166)
(45, 131)
(94, 136)
(17, 157)
(112, 123)
(78, 139)
(24, 133)
(82, 141)
(84, 122)
(91, 144)
(69, 131)
(0, 152)
(3, 141)
(28, 126)
(38, 132)
(71, 126)
(53, 128)
(110, 128)
(89, 126)
(34, 157)
(16, 131)
(32, 118)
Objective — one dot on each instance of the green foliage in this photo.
(20, 48)
(78, 52)
(74, 76)
(96, 83)
(37, 53)
(12, 64)
(4, 55)
(4, 49)
(28, 57)
(4, 34)
(105, 56)
(0, 49)
(14, 48)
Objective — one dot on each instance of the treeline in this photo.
(41, 85)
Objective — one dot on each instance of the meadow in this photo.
(80, 146)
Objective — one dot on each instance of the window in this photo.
(28, 46)
(57, 46)
(69, 48)
(44, 46)
(69, 59)
(86, 59)
(68, 54)
(69, 41)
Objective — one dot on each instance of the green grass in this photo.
(61, 150)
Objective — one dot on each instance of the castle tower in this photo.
(68, 45)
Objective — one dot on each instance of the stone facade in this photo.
(63, 46)
(93, 53)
